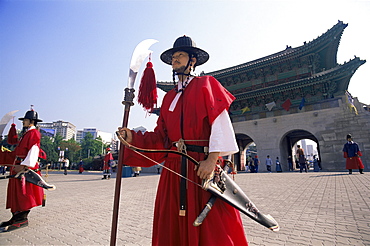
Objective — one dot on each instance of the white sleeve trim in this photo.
(222, 137)
(32, 157)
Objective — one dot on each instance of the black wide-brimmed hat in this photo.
(31, 115)
(186, 44)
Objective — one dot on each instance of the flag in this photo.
(351, 102)
(301, 105)
(246, 109)
(286, 104)
(270, 105)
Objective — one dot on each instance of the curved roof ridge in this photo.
(356, 61)
(336, 29)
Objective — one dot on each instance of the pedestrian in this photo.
(193, 115)
(252, 167)
(256, 163)
(290, 163)
(107, 164)
(268, 163)
(278, 165)
(319, 163)
(316, 166)
(301, 159)
(66, 165)
(249, 158)
(23, 196)
(2, 170)
(352, 153)
(80, 166)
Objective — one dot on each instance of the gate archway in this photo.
(243, 142)
(292, 137)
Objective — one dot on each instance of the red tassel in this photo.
(148, 88)
(12, 135)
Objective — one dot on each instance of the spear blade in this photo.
(140, 53)
(4, 121)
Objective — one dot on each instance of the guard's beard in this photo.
(24, 130)
(179, 70)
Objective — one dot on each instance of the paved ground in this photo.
(325, 208)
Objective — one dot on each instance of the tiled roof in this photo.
(332, 34)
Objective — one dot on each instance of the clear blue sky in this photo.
(70, 58)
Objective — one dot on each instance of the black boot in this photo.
(350, 171)
(362, 171)
(9, 222)
(19, 220)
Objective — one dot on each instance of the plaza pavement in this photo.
(323, 208)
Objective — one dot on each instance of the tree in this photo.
(89, 146)
(47, 145)
(72, 150)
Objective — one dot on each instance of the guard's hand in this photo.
(125, 134)
(206, 167)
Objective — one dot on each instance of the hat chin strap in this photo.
(174, 73)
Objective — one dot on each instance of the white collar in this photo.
(187, 81)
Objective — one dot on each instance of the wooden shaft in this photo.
(117, 193)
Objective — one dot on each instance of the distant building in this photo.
(105, 136)
(66, 129)
(310, 152)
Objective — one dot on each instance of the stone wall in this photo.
(329, 126)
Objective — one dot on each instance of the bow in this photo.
(220, 186)
(141, 150)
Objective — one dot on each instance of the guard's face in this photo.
(26, 122)
(179, 61)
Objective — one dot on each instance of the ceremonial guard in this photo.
(21, 195)
(107, 165)
(80, 166)
(352, 153)
(193, 118)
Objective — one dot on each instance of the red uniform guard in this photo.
(21, 195)
(193, 115)
(107, 165)
(352, 153)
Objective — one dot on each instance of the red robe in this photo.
(354, 162)
(107, 158)
(23, 197)
(202, 101)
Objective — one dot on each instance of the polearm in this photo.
(140, 53)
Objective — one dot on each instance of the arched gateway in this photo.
(298, 93)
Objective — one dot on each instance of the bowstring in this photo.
(169, 169)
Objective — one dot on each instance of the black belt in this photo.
(184, 170)
(195, 148)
